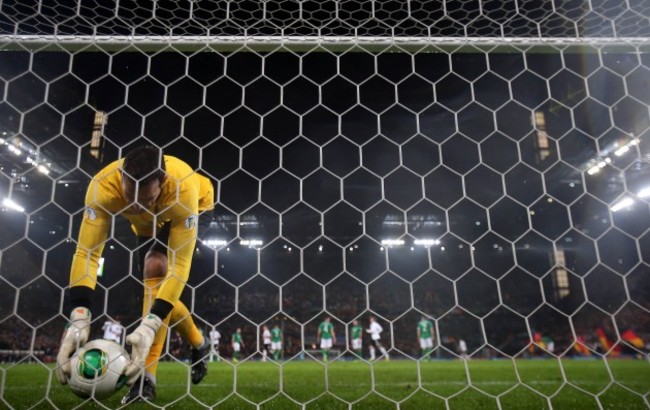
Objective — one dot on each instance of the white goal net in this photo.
(482, 164)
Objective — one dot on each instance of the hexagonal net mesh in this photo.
(476, 170)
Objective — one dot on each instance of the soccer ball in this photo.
(97, 369)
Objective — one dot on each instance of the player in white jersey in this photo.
(375, 330)
(106, 328)
(215, 336)
(113, 331)
(462, 347)
(266, 342)
(117, 331)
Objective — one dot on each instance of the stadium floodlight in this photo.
(622, 204)
(392, 242)
(251, 242)
(11, 204)
(644, 193)
(14, 149)
(426, 242)
(42, 168)
(625, 148)
(213, 243)
(621, 150)
(598, 165)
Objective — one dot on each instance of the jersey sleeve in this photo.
(183, 216)
(92, 237)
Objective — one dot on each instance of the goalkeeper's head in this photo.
(143, 174)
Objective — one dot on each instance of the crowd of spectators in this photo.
(34, 337)
(21, 341)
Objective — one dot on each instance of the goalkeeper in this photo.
(161, 196)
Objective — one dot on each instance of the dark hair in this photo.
(144, 164)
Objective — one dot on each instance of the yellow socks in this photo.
(151, 287)
(181, 320)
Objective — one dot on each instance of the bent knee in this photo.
(155, 265)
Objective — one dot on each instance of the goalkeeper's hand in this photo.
(140, 340)
(76, 335)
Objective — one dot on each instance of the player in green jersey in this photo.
(276, 342)
(326, 336)
(237, 344)
(425, 336)
(356, 332)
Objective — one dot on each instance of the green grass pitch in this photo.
(474, 384)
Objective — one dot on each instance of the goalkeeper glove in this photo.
(140, 340)
(76, 335)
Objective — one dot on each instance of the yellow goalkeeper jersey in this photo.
(184, 194)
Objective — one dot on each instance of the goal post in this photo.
(331, 43)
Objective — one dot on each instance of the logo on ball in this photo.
(93, 363)
(98, 369)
